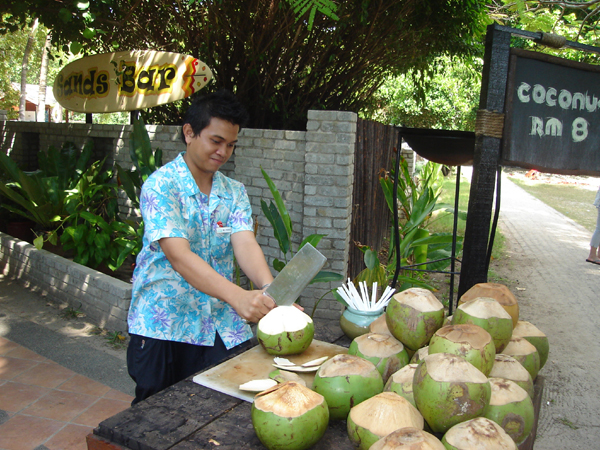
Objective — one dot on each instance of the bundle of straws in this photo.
(363, 301)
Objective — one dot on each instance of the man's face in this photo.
(209, 150)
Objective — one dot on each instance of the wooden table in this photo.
(188, 416)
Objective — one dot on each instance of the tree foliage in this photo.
(450, 97)
(446, 95)
(277, 65)
(12, 47)
(576, 20)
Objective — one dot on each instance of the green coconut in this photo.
(489, 315)
(468, 341)
(524, 352)
(379, 416)
(509, 368)
(534, 336)
(384, 350)
(479, 433)
(408, 438)
(289, 416)
(285, 330)
(401, 383)
(498, 292)
(379, 325)
(413, 315)
(449, 390)
(510, 407)
(419, 355)
(345, 381)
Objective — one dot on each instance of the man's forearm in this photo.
(251, 259)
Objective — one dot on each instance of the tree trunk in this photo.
(41, 108)
(23, 100)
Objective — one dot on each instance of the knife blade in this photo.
(296, 275)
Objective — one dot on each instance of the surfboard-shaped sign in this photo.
(128, 81)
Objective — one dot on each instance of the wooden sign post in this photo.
(128, 81)
(485, 160)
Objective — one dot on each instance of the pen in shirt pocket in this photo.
(221, 229)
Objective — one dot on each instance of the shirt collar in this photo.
(189, 184)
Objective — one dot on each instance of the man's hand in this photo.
(254, 305)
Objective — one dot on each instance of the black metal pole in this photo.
(496, 216)
(395, 208)
(455, 225)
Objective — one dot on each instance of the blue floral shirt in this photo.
(164, 305)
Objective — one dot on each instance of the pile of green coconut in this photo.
(418, 380)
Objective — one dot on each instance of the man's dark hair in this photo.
(221, 104)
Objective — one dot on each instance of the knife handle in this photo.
(265, 293)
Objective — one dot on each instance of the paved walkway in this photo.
(54, 388)
(44, 405)
(558, 292)
(56, 382)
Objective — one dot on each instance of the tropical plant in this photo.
(72, 202)
(279, 218)
(417, 200)
(94, 229)
(40, 196)
(144, 159)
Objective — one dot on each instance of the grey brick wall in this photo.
(104, 299)
(313, 171)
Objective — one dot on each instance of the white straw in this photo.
(360, 299)
(354, 291)
(354, 295)
(364, 294)
(373, 296)
(342, 294)
(347, 296)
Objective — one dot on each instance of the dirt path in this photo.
(558, 292)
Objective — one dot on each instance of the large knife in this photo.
(296, 275)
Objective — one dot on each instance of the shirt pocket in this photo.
(221, 243)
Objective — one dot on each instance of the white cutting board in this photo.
(256, 364)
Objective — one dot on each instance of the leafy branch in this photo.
(301, 7)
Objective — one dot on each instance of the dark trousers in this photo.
(155, 364)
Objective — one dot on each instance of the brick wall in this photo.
(104, 299)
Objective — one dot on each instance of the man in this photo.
(186, 314)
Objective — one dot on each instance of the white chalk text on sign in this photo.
(563, 99)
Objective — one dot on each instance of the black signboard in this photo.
(552, 120)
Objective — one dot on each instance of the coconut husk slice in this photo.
(297, 368)
(258, 385)
(316, 362)
(283, 361)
